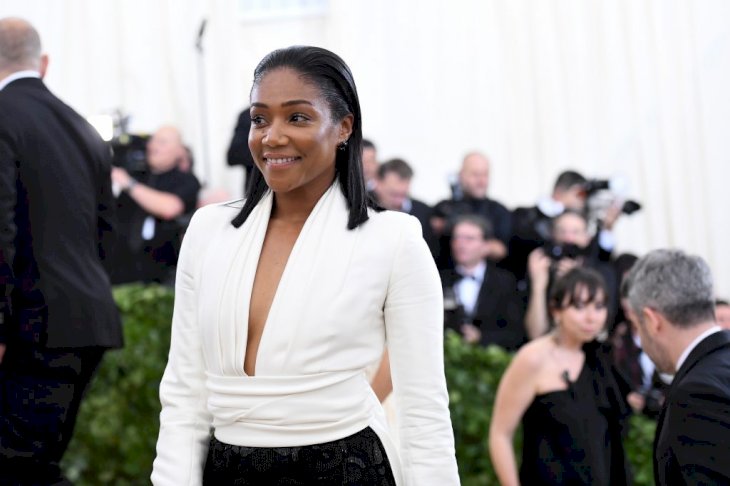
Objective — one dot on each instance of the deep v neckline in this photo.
(267, 315)
(281, 285)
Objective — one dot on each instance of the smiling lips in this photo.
(280, 161)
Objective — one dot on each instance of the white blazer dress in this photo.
(343, 293)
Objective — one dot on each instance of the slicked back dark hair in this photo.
(568, 179)
(329, 73)
(398, 166)
(484, 225)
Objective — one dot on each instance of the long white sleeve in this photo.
(184, 421)
(414, 329)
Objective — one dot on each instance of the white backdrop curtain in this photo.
(632, 87)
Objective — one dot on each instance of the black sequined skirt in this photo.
(357, 460)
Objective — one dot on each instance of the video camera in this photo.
(130, 153)
(128, 150)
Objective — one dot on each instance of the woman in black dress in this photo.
(561, 386)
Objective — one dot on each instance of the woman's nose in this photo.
(595, 314)
(274, 135)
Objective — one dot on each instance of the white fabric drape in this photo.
(632, 87)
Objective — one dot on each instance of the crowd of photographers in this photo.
(496, 264)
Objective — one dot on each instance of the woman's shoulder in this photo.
(531, 356)
(212, 216)
(221, 209)
(394, 222)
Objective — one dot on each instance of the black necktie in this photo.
(466, 276)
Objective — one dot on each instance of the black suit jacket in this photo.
(692, 444)
(450, 210)
(498, 313)
(423, 213)
(56, 211)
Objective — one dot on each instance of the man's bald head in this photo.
(20, 46)
(474, 175)
(165, 149)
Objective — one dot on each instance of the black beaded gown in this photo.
(573, 436)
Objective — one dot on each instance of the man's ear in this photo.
(653, 320)
(44, 65)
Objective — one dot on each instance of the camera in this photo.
(130, 153)
(615, 186)
(557, 251)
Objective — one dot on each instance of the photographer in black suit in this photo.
(152, 211)
(471, 197)
(531, 226)
(671, 294)
(392, 191)
(479, 298)
(57, 314)
(569, 247)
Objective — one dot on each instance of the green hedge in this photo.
(116, 431)
(115, 436)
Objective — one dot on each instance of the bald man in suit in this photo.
(57, 314)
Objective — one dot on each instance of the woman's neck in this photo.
(296, 206)
(563, 342)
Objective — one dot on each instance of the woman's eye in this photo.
(298, 117)
(257, 120)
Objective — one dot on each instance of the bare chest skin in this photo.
(551, 376)
(278, 243)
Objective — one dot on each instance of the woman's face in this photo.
(582, 320)
(293, 138)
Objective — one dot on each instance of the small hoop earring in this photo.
(342, 145)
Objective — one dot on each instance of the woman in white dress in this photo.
(284, 299)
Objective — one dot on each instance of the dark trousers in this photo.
(357, 460)
(40, 394)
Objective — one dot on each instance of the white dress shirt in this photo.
(694, 343)
(18, 75)
(468, 287)
(647, 365)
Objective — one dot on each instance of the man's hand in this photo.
(637, 401)
(438, 225)
(121, 177)
(538, 266)
(471, 333)
(612, 214)
(495, 250)
(565, 265)
(2, 351)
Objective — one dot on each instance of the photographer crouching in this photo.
(151, 208)
(569, 247)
